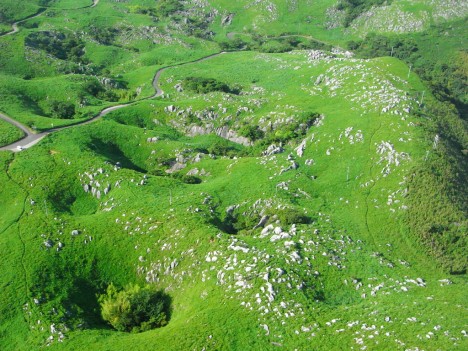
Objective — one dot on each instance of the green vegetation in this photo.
(60, 109)
(447, 79)
(135, 309)
(354, 8)
(168, 7)
(9, 133)
(207, 85)
(444, 231)
(285, 43)
(283, 194)
(60, 45)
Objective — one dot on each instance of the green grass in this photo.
(205, 313)
(418, 16)
(9, 133)
(348, 277)
(14, 10)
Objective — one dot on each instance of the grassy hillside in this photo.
(287, 194)
(8, 133)
(340, 252)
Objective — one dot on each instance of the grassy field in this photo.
(348, 275)
(270, 195)
(8, 133)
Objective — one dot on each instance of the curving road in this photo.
(32, 139)
(15, 28)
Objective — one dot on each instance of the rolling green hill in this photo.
(284, 194)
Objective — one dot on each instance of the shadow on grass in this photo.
(114, 154)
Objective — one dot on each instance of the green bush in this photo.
(288, 216)
(190, 179)
(135, 309)
(275, 46)
(234, 44)
(105, 36)
(223, 148)
(207, 85)
(62, 109)
(251, 132)
(60, 45)
(93, 87)
(168, 7)
(353, 8)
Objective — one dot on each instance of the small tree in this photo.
(62, 109)
(135, 309)
(252, 132)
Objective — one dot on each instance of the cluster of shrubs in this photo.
(135, 309)
(207, 85)
(284, 43)
(286, 133)
(162, 8)
(103, 35)
(62, 109)
(353, 8)
(60, 45)
(239, 220)
(96, 89)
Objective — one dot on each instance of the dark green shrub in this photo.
(251, 132)
(168, 7)
(288, 216)
(62, 46)
(103, 35)
(207, 85)
(135, 309)
(275, 46)
(222, 148)
(62, 109)
(190, 179)
(93, 87)
(354, 8)
(234, 44)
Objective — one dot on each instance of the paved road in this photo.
(32, 139)
(15, 28)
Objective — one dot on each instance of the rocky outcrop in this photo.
(223, 132)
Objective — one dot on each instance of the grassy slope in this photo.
(8, 133)
(137, 69)
(408, 16)
(206, 312)
(18, 61)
